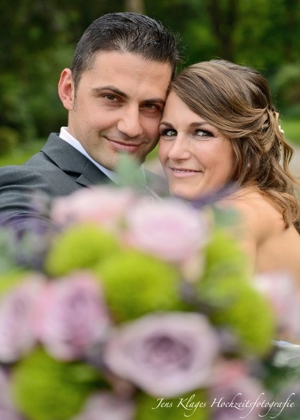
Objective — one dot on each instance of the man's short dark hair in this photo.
(127, 32)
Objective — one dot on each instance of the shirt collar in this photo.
(66, 136)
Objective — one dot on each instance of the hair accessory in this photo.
(280, 129)
(277, 120)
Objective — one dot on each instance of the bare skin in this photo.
(263, 234)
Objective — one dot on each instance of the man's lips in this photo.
(122, 146)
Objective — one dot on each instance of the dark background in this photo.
(38, 37)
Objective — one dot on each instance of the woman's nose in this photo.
(180, 149)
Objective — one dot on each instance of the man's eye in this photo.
(152, 107)
(110, 97)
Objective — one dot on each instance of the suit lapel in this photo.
(91, 175)
(70, 161)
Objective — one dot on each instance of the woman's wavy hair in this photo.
(237, 101)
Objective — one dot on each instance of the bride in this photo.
(219, 128)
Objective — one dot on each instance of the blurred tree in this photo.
(37, 40)
(136, 6)
(223, 16)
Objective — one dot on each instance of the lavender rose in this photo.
(165, 354)
(168, 229)
(102, 204)
(16, 314)
(281, 290)
(7, 411)
(109, 406)
(71, 316)
(236, 399)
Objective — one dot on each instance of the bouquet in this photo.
(143, 309)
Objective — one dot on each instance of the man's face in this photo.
(117, 106)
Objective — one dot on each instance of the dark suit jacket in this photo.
(57, 170)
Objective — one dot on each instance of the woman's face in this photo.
(196, 157)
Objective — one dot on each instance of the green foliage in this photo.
(11, 279)
(241, 308)
(41, 38)
(129, 172)
(286, 88)
(151, 285)
(59, 389)
(69, 251)
(291, 127)
(21, 153)
(9, 139)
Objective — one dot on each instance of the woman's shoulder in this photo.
(256, 210)
(248, 199)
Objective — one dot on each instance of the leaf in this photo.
(130, 173)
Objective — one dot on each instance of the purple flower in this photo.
(281, 290)
(71, 316)
(164, 354)
(7, 411)
(102, 204)
(169, 229)
(108, 406)
(16, 314)
(238, 398)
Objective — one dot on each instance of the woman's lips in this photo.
(183, 172)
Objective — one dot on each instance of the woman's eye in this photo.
(203, 133)
(169, 132)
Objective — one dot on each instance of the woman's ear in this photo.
(66, 90)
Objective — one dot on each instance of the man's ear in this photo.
(66, 89)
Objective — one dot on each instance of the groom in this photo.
(114, 92)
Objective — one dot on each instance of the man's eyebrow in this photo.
(155, 100)
(100, 89)
(119, 92)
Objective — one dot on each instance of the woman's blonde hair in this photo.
(237, 101)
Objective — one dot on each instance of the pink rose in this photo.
(16, 313)
(281, 290)
(228, 370)
(166, 354)
(169, 229)
(71, 316)
(107, 406)
(102, 204)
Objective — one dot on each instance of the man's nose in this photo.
(129, 123)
